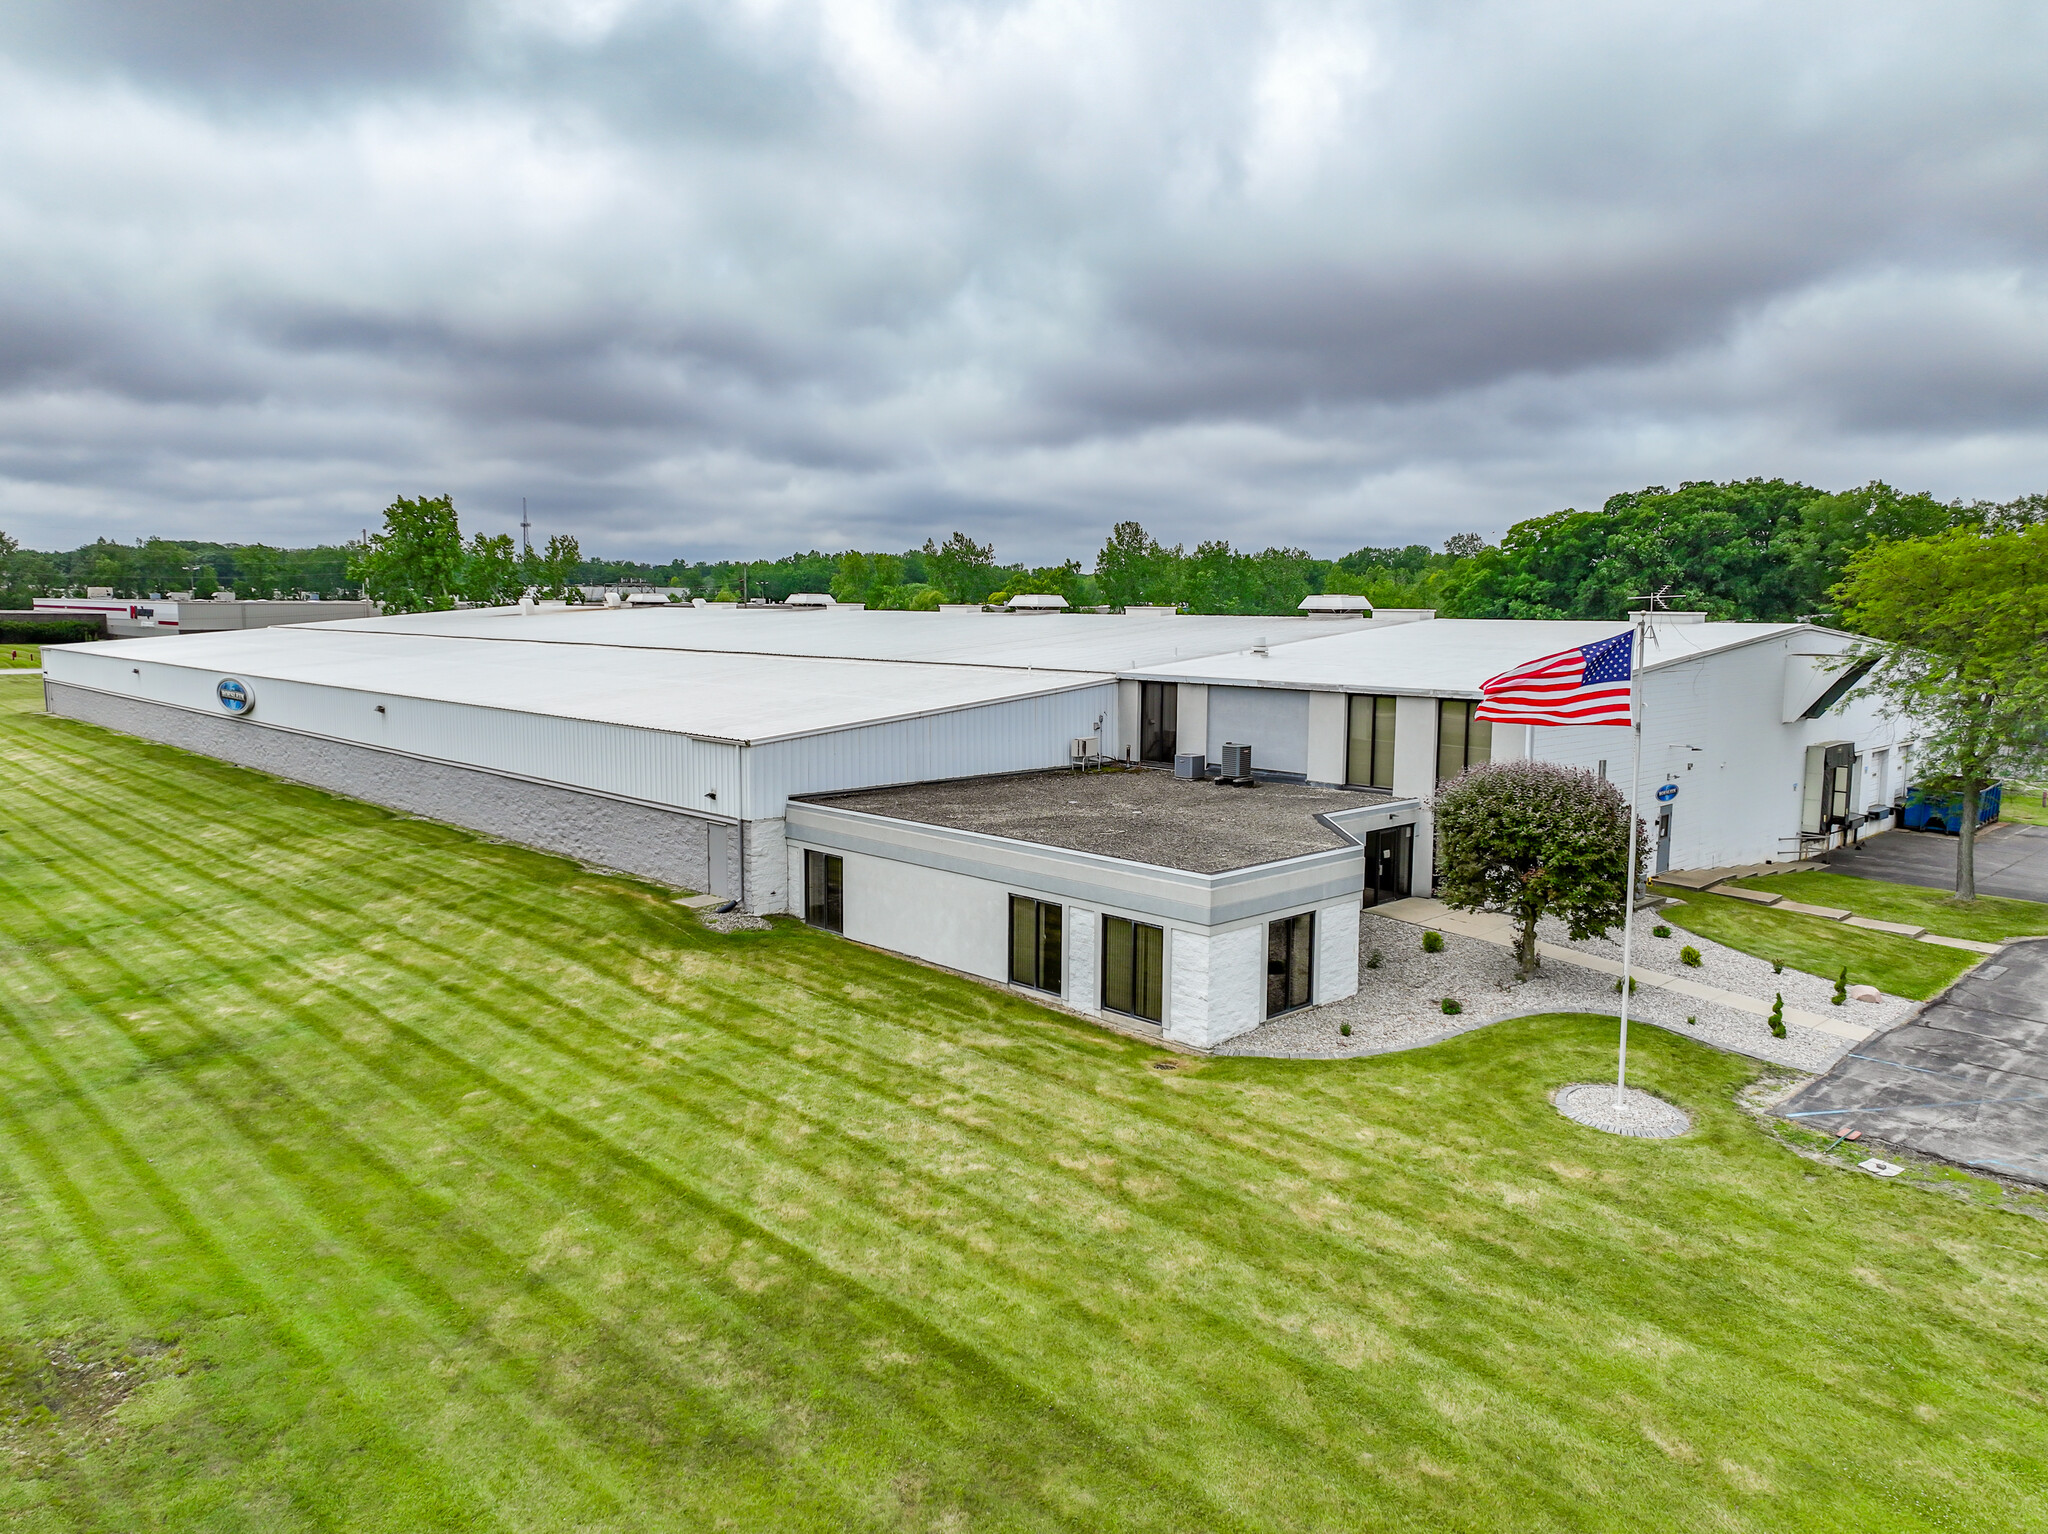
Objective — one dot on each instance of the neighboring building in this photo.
(187, 615)
(124, 619)
(221, 614)
(904, 777)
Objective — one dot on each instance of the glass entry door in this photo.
(1388, 854)
(1158, 721)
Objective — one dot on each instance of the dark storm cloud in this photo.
(262, 46)
(770, 274)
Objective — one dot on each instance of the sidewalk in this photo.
(1489, 927)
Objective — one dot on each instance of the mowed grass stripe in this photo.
(1468, 1315)
(539, 1111)
(369, 1169)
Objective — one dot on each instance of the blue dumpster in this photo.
(1925, 812)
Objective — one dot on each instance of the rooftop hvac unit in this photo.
(1084, 748)
(1189, 764)
(1237, 765)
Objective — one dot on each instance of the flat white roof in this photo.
(711, 696)
(1040, 641)
(1447, 657)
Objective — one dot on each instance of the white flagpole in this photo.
(1635, 780)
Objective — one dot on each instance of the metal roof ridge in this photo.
(865, 660)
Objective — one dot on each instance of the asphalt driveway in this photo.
(2011, 860)
(1966, 1080)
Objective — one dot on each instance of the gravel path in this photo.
(1398, 1005)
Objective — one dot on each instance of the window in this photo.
(1461, 740)
(1370, 762)
(1133, 968)
(1158, 721)
(1035, 943)
(824, 891)
(1290, 963)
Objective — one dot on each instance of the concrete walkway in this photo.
(1489, 927)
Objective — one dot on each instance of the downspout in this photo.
(743, 825)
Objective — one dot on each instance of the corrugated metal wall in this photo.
(648, 765)
(995, 737)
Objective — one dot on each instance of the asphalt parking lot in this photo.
(2012, 860)
(1966, 1080)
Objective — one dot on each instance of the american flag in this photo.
(1588, 684)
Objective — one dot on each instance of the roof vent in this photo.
(1036, 602)
(1337, 604)
(1259, 645)
(611, 599)
(809, 599)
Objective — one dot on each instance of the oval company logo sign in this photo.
(235, 696)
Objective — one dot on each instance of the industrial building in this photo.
(909, 778)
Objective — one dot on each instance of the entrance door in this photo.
(1158, 721)
(1663, 842)
(1387, 857)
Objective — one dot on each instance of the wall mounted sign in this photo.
(236, 697)
(1667, 793)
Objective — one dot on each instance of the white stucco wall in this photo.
(1329, 729)
(1215, 981)
(1713, 728)
(1336, 952)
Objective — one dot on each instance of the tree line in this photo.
(1755, 549)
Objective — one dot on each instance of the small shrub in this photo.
(1432, 942)
(1689, 956)
(1450, 1006)
(1778, 1016)
(1692, 1022)
(1842, 986)
(1634, 985)
(1345, 1029)
(1372, 960)
(1777, 966)
(1660, 930)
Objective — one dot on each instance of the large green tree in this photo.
(1533, 839)
(1756, 549)
(416, 563)
(961, 568)
(1957, 626)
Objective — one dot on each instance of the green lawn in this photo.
(1988, 918)
(20, 657)
(2023, 805)
(410, 1182)
(1897, 965)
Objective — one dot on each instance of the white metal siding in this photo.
(1272, 721)
(649, 765)
(1012, 736)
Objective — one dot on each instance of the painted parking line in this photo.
(1975, 1102)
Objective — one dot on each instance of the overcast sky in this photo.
(705, 279)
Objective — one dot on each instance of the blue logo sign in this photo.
(1667, 793)
(235, 696)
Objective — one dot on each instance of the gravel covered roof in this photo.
(1148, 816)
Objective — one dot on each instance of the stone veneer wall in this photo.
(667, 846)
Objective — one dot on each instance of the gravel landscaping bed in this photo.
(1399, 1004)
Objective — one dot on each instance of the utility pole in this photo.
(525, 527)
